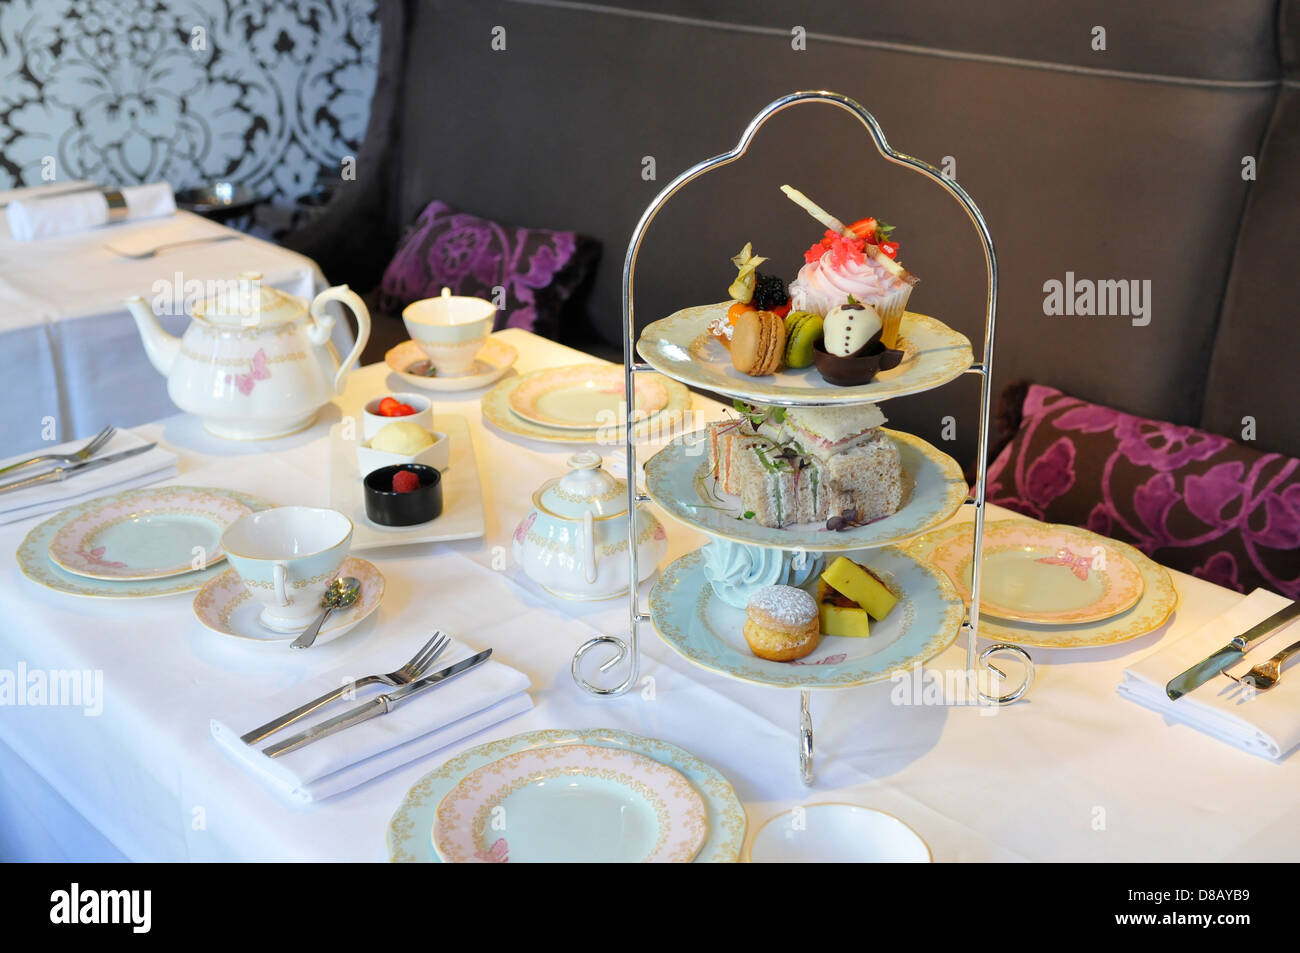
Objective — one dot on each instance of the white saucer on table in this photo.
(225, 606)
(492, 362)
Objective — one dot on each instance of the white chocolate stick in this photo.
(816, 211)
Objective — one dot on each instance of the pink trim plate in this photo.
(583, 397)
(146, 534)
(571, 803)
(1038, 572)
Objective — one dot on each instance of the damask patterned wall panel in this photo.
(269, 93)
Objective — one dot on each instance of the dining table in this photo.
(70, 353)
(1072, 771)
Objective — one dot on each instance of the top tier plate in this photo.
(681, 347)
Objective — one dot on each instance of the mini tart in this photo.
(782, 624)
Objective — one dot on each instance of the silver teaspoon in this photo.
(342, 592)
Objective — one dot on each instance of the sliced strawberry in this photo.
(402, 410)
(387, 406)
(864, 228)
(890, 249)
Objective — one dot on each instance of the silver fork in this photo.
(150, 252)
(412, 670)
(1267, 674)
(77, 456)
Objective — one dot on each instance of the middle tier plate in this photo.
(678, 478)
(681, 347)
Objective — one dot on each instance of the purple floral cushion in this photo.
(1189, 499)
(536, 270)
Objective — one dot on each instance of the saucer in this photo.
(494, 359)
(225, 606)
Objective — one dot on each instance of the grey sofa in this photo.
(1128, 162)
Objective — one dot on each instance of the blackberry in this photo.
(769, 292)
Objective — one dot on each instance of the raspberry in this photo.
(404, 481)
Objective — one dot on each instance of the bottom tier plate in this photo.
(703, 628)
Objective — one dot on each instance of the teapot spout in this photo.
(161, 347)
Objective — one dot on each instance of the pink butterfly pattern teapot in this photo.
(255, 362)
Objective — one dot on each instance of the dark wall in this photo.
(1118, 164)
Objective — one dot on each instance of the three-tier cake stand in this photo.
(627, 651)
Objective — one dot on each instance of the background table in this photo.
(1074, 771)
(68, 348)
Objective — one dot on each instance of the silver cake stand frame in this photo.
(627, 651)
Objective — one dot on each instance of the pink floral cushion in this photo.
(537, 271)
(1189, 499)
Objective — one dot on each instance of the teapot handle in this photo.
(324, 323)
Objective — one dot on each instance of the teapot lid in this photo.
(586, 488)
(247, 302)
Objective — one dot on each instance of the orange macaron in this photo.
(758, 343)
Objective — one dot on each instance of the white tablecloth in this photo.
(68, 349)
(1074, 771)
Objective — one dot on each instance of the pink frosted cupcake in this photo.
(841, 266)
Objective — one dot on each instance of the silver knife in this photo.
(59, 474)
(375, 707)
(1205, 670)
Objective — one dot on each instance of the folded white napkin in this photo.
(30, 219)
(140, 470)
(437, 717)
(1267, 724)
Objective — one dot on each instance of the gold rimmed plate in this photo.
(679, 480)
(1044, 573)
(146, 534)
(681, 347)
(1152, 610)
(583, 396)
(34, 561)
(672, 418)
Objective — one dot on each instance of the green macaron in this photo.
(803, 329)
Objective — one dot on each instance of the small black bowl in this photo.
(389, 508)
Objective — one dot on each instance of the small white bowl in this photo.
(836, 833)
(372, 422)
(436, 455)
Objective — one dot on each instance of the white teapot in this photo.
(573, 542)
(255, 362)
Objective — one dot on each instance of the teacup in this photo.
(450, 329)
(287, 557)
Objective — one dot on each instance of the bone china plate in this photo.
(571, 804)
(35, 563)
(583, 396)
(1157, 603)
(146, 534)
(681, 346)
(702, 628)
(1036, 572)
(410, 829)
